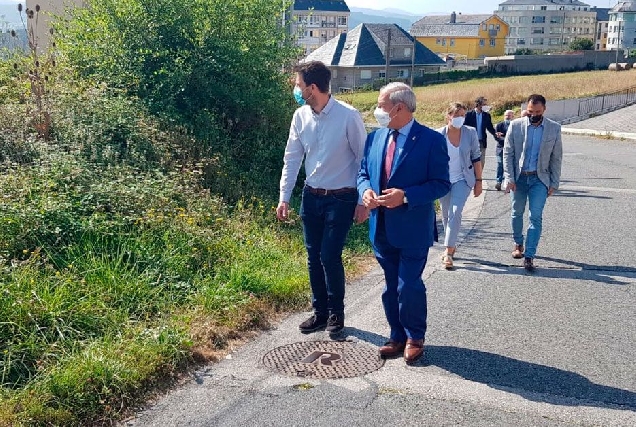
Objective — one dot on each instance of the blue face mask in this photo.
(298, 95)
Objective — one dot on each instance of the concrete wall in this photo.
(528, 64)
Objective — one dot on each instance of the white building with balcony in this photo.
(546, 25)
(622, 26)
(315, 22)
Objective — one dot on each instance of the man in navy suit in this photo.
(404, 170)
(480, 119)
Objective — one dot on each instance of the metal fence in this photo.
(606, 102)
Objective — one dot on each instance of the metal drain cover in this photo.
(324, 359)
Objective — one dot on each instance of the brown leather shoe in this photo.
(414, 350)
(518, 252)
(391, 349)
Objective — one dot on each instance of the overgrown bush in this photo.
(211, 67)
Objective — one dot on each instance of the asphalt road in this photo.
(504, 347)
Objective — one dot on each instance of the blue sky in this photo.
(420, 7)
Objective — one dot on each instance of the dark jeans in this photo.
(326, 222)
(500, 175)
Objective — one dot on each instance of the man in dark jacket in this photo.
(502, 129)
(480, 119)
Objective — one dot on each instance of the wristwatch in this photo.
(405, 200)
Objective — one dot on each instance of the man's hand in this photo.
(282, 211)
(391, 198)
(551, 191)
(361, 214)
(511, 187)
(478, 188)
(370, 199)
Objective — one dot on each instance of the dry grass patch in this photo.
(502, 92)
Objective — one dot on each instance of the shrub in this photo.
(212, 67)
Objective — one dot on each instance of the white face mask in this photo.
(382, 117)
(485, 108)
(457, 122)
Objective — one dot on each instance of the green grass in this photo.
(110, 275)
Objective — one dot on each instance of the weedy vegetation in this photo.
(140, 154)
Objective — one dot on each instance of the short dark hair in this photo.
(316, 73)
(480, 100)
(536, 99)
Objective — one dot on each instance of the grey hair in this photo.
(508, 111)
(401, 92)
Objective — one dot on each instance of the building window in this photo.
(538, 19)
(365, 74)
(521, 41)
(452, 42)
(382, 74)
(537, 30)
(492, 42)
(482, 42)
(438, 41)
(536, 41)
(342, 20)
(443, 42)
(407, 52)
(556, 19)
(402, 73)
(484, 27)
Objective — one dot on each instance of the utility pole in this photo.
(562, 29)
(413, 61)
(618, 42)
(388, 57)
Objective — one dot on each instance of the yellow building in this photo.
(465, 36)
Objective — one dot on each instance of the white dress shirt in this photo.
(331, 143)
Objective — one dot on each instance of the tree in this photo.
(581, 44)
(524, 51)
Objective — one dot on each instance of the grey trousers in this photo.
(452, 205)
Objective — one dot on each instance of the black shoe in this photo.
(313, 324)
(335, 323)
(498, 186)
(528, 264)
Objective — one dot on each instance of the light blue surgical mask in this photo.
(298, 95)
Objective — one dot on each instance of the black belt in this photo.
(528, 172)
(325, 192)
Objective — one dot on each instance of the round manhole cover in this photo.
(324, 359)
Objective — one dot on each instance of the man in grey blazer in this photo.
(532, 156)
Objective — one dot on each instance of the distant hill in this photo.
(10, 12)
(388, 16)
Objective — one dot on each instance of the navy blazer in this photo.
(421, 171)
(486, 125)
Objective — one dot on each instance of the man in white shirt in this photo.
(330, 136)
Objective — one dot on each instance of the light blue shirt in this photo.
(401, 141)
(531, 155)
(478, 116)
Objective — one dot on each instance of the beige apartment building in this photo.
(546, 25)
(315, 22)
